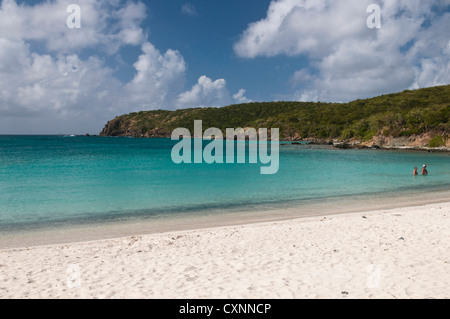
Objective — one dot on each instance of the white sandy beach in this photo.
(397, 253)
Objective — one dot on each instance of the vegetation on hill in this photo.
(396, 115)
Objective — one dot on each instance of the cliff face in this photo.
(421, 141)
(417, 142)
(119, 127)
(415, 119)
(153, 124)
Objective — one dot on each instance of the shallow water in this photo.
(46, 180)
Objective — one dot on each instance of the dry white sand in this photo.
(398, 253)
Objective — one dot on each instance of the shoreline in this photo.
(333, 144)
(347, 145)
(387, 253)
(138, 226)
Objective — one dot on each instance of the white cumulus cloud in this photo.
(205, 93)
(347, 60)
(106, 24)
(54, 79)
(239, 97)
(158, 77)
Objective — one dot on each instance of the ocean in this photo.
(49, 181)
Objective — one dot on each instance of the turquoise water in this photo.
(55, 179)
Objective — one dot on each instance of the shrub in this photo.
(437, 141)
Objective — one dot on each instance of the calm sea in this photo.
(46, 180)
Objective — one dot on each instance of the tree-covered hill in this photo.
(401, 114)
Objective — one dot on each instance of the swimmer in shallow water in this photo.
(424, 170)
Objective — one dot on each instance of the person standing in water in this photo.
(424, 170)
(415, 171)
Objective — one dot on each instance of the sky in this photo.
(57, 77)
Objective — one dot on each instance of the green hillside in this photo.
(400, 114)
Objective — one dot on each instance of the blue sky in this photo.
(206, 38)
(134, 55)
(206, 41)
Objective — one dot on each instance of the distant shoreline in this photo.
(348, 145)
(338, 144)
